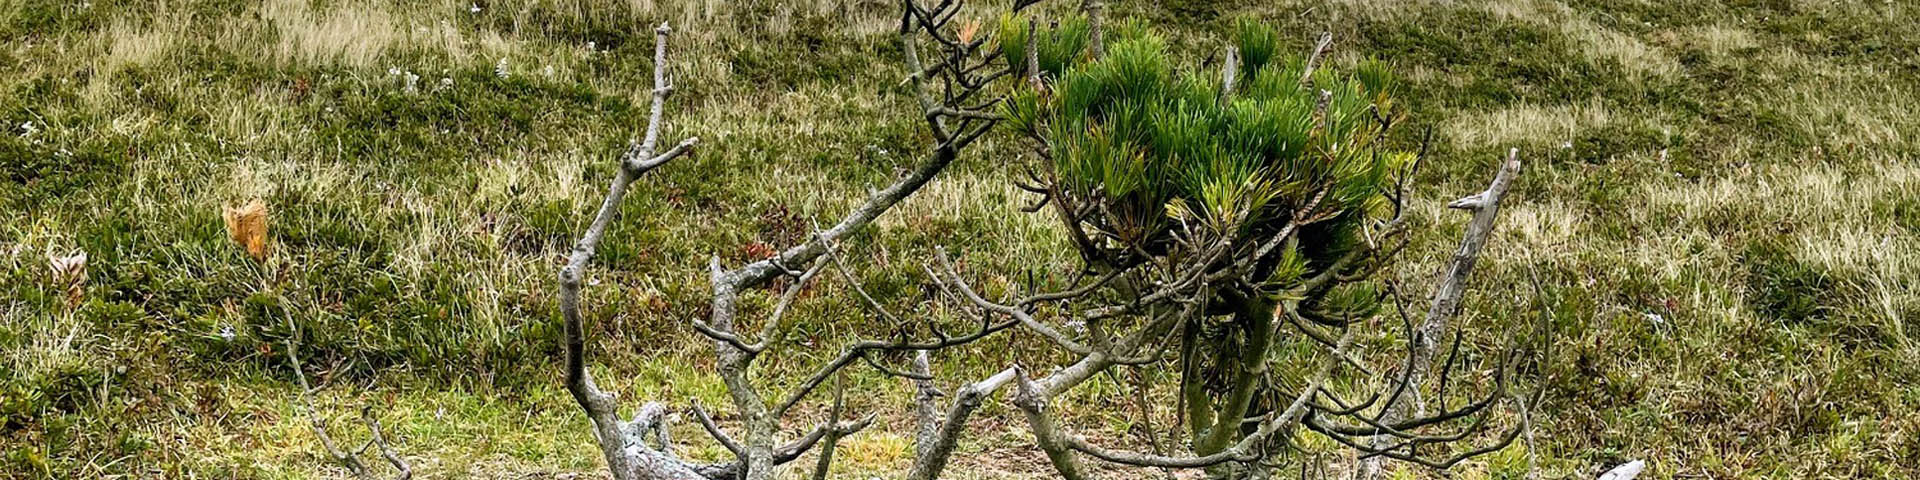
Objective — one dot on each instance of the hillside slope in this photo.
(1724, 198)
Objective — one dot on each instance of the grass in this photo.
(1721, 196)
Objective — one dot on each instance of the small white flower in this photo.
(500, 69)
(547, 71)
(393, 71)
(413, 83)
(473, 8)
(445, 83)
(590, 45)
(226, 333)
(29, 128)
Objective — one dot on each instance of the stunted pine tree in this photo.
(1231, 222)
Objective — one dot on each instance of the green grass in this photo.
(1745, 171)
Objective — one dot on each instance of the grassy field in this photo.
(1724, 198)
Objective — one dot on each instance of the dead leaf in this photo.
(70, 271)
(967, 30)
(757, 250)
(247, 225)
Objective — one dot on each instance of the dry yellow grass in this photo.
(1527, 123)
(353, 33)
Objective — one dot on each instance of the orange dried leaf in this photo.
(967, 30)
(247, 225)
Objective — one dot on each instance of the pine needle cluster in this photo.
(1157, 151)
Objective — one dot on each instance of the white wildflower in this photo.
(29, 128)
(473, 8)
(445, 83)
(393, 71)
(547, 71)
(226, 333)
(500, 69)
(413, 83)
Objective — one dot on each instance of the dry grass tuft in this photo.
(1527, 123)
(352, 34)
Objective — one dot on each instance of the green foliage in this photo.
(1059, 46)
(1784, 288)
(1156, 144)
(1258, 43)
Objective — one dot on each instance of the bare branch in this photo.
(1319, 49)
(351, 460)
(1033, 55)
(1453, 283)
(1058, 338)
(660, 88)
(1229, 72)
(793, 291)
(386, 450)
(598, 405)
(847, 274)
(929, 461)
(942, 91)
(1045, 431)
(713, 430)
(821, 467)
(1245, 449)
(1095, 34)
(925, 417)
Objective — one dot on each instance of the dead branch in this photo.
(350, 460)
(958, 73)
(1453, 282)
